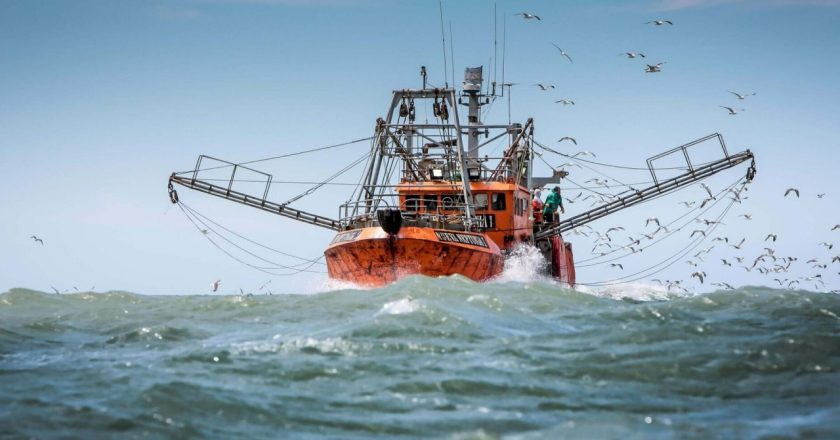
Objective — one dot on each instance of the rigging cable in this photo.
(261, 269)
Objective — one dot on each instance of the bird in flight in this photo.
(746, 216)
(38, 240)
(769, 236)
(528, 16)
(567, 138)
(699, 275)
(819, 196)
(632, 54)
(544, 87)
(733, 111)
(618, 265)
(584, 153)
(216, 285)
(563, 53)
(660, 22)
(565, 102)
(742, 97)
(654, 68)
(835, 227)
(794, 190)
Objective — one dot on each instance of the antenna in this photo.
(495, 45)
(443, 36)
(452, 53)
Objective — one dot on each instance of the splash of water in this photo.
(524, 264)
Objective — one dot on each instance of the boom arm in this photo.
(227, 193)
(659, 188)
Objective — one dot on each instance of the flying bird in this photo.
(738, 246)
(769, 236)
(618, 265)
(528, 16)
(726, 263)
(632, 54)
(794, 190)
(699, 275)
(696, 231)
(660, 22)
(708, 190)
(36, 239)
(585, 153)
(733, 111)
(827, 244)
(835, 227)
(746, 216)
(544, 87)
(724, 285)
(565, 102)
(742, 97)
(567, 138)
(654, 68)
(563, 53)
(216, 285)
(652, 219)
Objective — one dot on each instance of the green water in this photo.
(424, 358)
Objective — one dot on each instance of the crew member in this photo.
(552, 203)
(538, 207)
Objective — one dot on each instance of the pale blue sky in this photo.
(101, 100)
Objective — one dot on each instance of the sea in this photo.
(443, 358)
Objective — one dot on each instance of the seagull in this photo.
(726, 263)
(732, 111)
(216, 285)
(569, 164)
(660, 22)
(652, 219)
(632, 54)
(528, 16)
(563, 52)
(742, 97)
(835, 227)
(55, 290)
(567, 138)
(544, 87)
(819, 196)
(738, 246)
(618, 265)
(746, 216)
(769, 236)
(36, 239)
(708, 190)
(654, 68)
(835, 259)
(699, 275)
(827, 244)
(789, 190)
(724, 285)
(688, 204)
(696, 231)
(565, 102)
(584, 153)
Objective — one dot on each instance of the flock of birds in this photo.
(768, 262)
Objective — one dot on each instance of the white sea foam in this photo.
(637, 291)
(399, 307)
(524, 264)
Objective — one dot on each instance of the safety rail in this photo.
(684, 149)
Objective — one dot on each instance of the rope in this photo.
(676, 257)
(261, 269)
(311, 150)
(305, 260)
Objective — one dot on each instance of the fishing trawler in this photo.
(432, 204)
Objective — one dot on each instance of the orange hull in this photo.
(370, 257)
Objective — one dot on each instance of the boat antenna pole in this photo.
(443, 37)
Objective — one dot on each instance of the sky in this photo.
(100, 101)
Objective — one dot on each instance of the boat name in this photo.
(346, 236)
(475, 240)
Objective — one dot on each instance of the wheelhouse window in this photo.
(498, 201)
(412, 202)
(430, 202)
(481, 201)
(452, 201)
